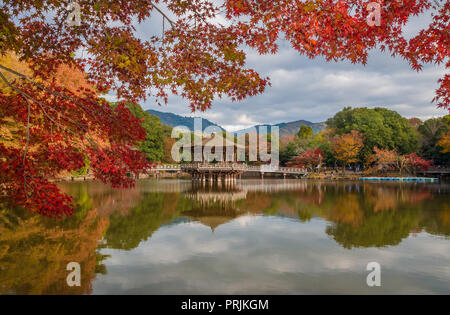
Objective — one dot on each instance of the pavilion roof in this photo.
(211, 142)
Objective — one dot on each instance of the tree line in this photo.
(375, 139)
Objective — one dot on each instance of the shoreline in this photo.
(312, 176)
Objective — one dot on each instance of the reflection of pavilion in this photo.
(208, 197)
(226, 196)
(216, 192)
(214, 205)
(213, 221)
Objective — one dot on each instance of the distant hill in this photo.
(174, 120)
(290, 128)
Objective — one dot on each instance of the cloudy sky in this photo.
(315, 90)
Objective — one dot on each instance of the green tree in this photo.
(153, 145)
(300, 145)
(128, 231)
(377, 229)
(287, 152)
(305, 132)
(380, 127)
(431, 132)
(84, 170)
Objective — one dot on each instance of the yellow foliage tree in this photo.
(12, 61)
(444, 142)
(346, 147)
(10, 130)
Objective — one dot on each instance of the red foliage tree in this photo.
(416, 163)
(310, 159)
(389, 159)
(195, 57)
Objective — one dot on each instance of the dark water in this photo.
(272, 236)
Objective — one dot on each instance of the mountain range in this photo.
(176, 120)
(286, 128)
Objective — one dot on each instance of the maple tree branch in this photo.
(28, 97)
(56, 94)
(28, 193)
(163, 14)
(27, 145)
(436, 2)
(28, 116)
(28, 131)
(41, 105)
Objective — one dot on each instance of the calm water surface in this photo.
(255, 237)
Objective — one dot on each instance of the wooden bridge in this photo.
(225, 171)
(440, 172)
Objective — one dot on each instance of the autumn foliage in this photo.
(386, 160)
(338, 30)
(347, 147)
(55, 106)
(416, 163)
(310, 159)
(444, 142)
(55, 129)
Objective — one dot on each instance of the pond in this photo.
(251, 237)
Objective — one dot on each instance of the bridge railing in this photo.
(292, 170)
(274, 169)
(438, 170)
(232, 166)
(162, 167)
(214, 166)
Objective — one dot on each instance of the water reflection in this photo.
(280, 235)
(35, 251)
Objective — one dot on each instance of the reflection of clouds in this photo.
(270, 255)
(246, 219)
(174, 245)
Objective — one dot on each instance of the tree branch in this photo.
(56, 94)
(29, 97)
(163, 14)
